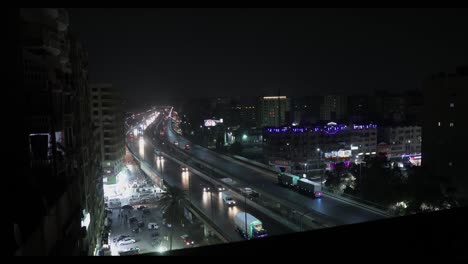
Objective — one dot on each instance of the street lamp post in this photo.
(320, 163)
(290, 154)
(245, 214)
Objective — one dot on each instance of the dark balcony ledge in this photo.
(422, 236)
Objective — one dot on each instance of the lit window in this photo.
(451, 125)
(452, 105)
(439, 123)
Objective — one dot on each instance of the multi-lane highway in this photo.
(341, 212)
(209, 202)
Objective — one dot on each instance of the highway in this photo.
(341, 212)
(210, 203)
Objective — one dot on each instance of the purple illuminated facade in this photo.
(299, 145)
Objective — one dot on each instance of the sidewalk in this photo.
(144, 240)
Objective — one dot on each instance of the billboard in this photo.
(338, 154)
(212, 122)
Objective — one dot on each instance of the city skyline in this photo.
(160, 54)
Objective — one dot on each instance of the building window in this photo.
(452, 125)
(439, 123)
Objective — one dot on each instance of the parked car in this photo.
(132, 219)
(187, 240)
(153, 226)
(121, 237)
(127, 241)
(141, 207)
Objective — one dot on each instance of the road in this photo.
(341, 212)
(210, 203)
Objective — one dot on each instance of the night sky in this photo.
(159, 54)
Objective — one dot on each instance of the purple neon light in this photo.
(328, 129)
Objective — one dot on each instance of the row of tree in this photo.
(378, 181)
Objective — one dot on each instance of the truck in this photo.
(309, 187)
(243, 220)
(287, 179)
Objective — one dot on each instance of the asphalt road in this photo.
(341, 212)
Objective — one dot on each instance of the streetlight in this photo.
(320, 161)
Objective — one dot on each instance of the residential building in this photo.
(108, 116)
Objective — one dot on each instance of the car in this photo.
(141, 207)
(227, 199)
(176, 143)
(141, 224)
(249, 192)
(187, 147)
(130, 251)
(184, 169)
(153, 226)
(220, 188)
(132, 219)
(127, 241)
(206, 188)
(187, 240)
(121, 237)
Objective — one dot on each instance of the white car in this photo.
(153, 226)
(126, 241)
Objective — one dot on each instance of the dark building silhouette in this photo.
(59, 179)
(444, 124)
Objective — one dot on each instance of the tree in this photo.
(169, 205)
(423, 187)
(236, 148)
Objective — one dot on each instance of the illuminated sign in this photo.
(212, 122)
(338, 154)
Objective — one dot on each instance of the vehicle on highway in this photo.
(288, 180)
(184, 169)
(249, 192)
(126, 241)
(220, 188)
(187, 147)
(309, 187)
(254, 226)
(176, 143)
(187, 240)
(205, 187)
(227, 199)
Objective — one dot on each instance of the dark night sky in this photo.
(162, 53)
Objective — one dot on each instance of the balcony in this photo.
(62, 19)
